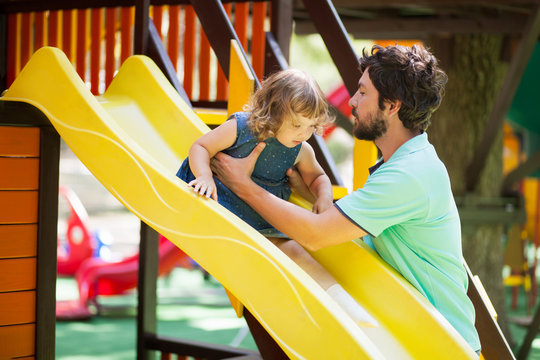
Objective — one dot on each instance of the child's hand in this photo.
(322, 204)
(205, 185)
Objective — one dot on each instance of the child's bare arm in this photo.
(203, 150)
(315, 178)
(296, 183)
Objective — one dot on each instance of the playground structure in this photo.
(22, 109)
(109, 128)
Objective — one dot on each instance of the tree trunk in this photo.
(475, 71)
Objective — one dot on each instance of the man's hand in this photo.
(235, 172)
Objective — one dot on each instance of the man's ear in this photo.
(394, 106)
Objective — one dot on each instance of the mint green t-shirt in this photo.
(408, 210)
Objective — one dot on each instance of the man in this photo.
(406, 210)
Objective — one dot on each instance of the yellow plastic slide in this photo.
(133, 139)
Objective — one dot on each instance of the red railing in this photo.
(98, 40)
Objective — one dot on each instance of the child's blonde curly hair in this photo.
(287, 94)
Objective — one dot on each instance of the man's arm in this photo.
(313, 231)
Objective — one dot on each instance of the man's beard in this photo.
(374, 128)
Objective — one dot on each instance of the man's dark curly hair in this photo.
(410, 75)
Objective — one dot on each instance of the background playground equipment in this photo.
(98, 277)
(78, 255)
(78, 243)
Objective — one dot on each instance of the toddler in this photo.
(284, 113)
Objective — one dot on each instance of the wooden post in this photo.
(47, 236)
(147, 284)
(329, 25)
(494, 345)
(3, 51)
(281, 25)
(156, 51)
(140, 40)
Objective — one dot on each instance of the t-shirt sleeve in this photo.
(388, 198)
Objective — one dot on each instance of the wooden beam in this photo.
(142, 16)
(532, 331)
(526, 168)
(329, 25)
(421, 27)
(196, 349)
(428, 3)
(504, 99)
(49, 166)
(494, 344)
(147, 293)
(3, 51)
(267, 346)
(13, 6)
(157, 52)
(282, 24)
(274, 58)
(219, 31)
(325, 159)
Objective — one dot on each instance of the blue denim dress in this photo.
(269, 173)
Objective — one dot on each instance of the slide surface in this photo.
(133, 139)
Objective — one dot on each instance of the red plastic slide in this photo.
(97, 277)
(80, 243)
(338, 98)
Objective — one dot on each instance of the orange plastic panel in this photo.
(241, 12)
(204, 67)
(157, 17)
(95, 50)
(39, 30)
(189, 50)
(222, 84)
(257, 38)
(18, 207)
(67, 32)
(18, 240)
(19, 141)
(53, 28)
(173, 41)
(17, 275)
(17, 341)
(13, 44)
(19, 173)
(82, 25)
(17, 307)
(110, 40)
(26, 44)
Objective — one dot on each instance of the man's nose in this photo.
(352, 100)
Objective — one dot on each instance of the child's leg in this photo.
(300, 256)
